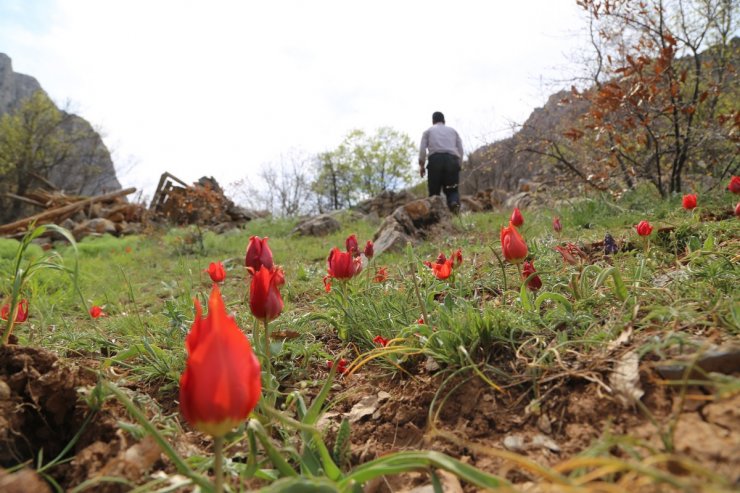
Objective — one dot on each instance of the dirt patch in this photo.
(474, 421)
(41, 413)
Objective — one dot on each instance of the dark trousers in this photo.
(443, 174)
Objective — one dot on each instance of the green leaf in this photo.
(555, 297)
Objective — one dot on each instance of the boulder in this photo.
(521, 200)
(385, 203)
(411, 223)
(317, 226)
(470, 204)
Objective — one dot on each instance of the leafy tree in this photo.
(663, 94)
(35, 139)
(363, 166)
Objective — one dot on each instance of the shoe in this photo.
(455, 208)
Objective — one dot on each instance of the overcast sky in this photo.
(223, 88)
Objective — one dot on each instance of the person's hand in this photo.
(422, 171)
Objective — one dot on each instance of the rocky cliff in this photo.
(92, 172)
(507, 164)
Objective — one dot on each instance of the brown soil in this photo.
(41, 410)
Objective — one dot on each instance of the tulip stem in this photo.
(218, 459)
(422, 305)
(268, 360)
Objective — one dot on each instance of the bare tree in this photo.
(283, 188)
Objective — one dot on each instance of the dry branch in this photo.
(54, 213)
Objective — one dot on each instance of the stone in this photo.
(470, 204)
(317, 226)
(411, 223)
(520, 200)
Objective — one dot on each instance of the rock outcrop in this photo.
(92, 171)
(507, 165)
(411, 223)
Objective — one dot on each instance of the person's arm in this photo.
(423, 152)
(458, 143)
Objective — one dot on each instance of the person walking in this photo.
(445, 150)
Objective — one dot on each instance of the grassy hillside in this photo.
(493, 360)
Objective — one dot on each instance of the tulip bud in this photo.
(216, 271)
(734, 185)
(516, 217)
(688, 202)
(556, 224)
(644, 228)
(258, 254)
(221, 383)
(96, 312)
(535, 282)
(352, 245)
(512, 244)
(369, 249)
(265, 301)
(21, 314)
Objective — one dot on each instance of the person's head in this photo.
(438, 117)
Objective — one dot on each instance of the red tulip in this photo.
(513, 245)
(264, 293)
(644, 228)
(457, 258)
(556, 224)
(369, 249)
(421, 321)
(258, 254)
(352, 245)
(381, 275)
(216, 271)
(96, 312)
(221, 382)
(734, 185)
(380, 340)
(737, 209)
(341, 365)
(689, 201)
(341, 265)
(535, 282)
(21, 314)
(442, 267)
(516, 217)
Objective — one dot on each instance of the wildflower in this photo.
(352, 245)
(264, 293)
(516, 217)
(221, 382)
(341, 265)
(644, 228)
(369, 249)
(734, 185)
(457, 258)
(381, 275)
(341, 365)
(258, 254)
(610, 246)
(512, 244)
(571, 253)
(442, 267)
(21, 314)
(380, 340)
(421, 321)
(535, 282)
(216, 271)
(556, 224)
(96, 312)
(689, 201)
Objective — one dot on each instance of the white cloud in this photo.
(222, 87)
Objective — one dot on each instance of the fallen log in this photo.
(54, 213)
